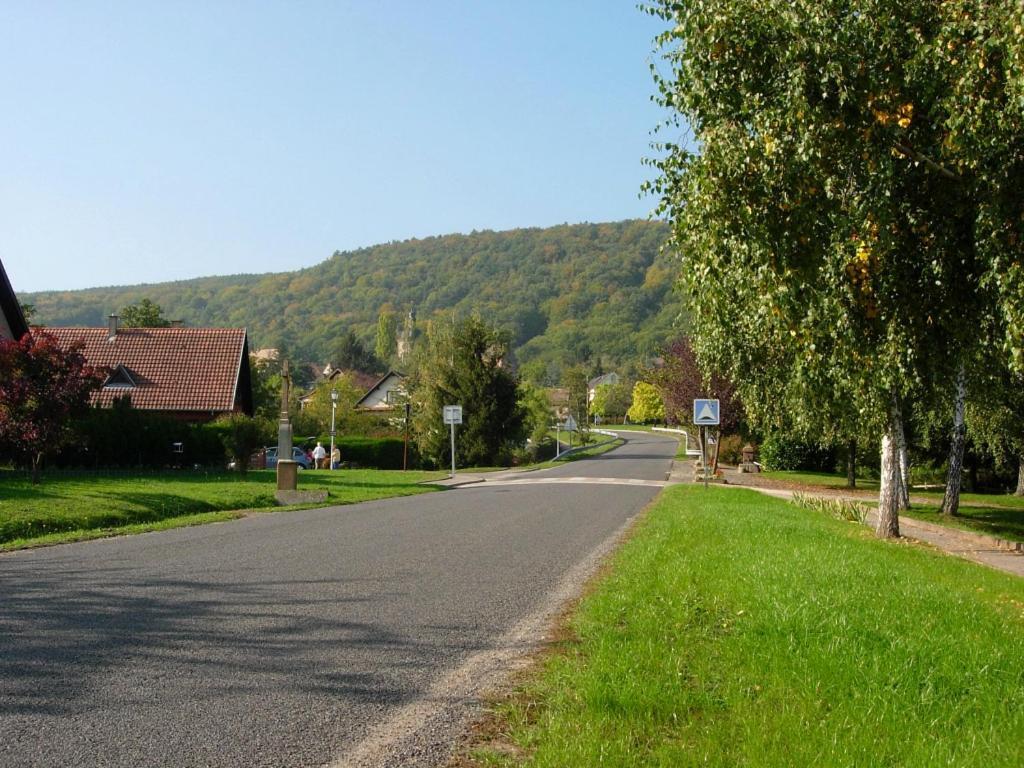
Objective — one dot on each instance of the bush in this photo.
(781, 452)
(122, 436)
(730, 450)
(373, 452)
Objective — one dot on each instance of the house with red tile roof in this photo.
(12, 320)
(195, 374)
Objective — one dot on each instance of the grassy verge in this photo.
(77, 506)
(736, 630)
(1001, 522)
(819, 479)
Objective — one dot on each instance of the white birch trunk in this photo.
(951, 499)
(891, 491)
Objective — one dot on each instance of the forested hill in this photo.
(567, 293)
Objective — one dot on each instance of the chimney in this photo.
(112, 327)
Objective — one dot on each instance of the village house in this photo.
(386, 394)
(195, 374)
(12, 320)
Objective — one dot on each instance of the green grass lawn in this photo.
(820, 479)
(738, 630)
(86, 505)
(1004, 522)
(996, 514)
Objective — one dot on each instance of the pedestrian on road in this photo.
(318, 455)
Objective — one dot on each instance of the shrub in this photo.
(781, 452)
(122, 436)
(374, 452)
(730, 449)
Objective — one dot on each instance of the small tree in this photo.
(241, 436)
(574, 379)
(611, 401)
(464, 365)
(387, 336)
(43, 388)
(350, 353)
(647, 404)
(145, 314)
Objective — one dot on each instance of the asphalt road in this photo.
(297, 639)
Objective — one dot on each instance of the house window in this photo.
(119, 378)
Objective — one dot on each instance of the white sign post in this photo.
(705, 414)
(453, 416)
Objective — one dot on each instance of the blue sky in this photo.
(144, 142)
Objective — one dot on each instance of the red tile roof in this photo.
(174, 369)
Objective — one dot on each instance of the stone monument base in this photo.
(748, 467)
(287, 475)
(300, 497)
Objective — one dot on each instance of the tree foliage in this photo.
(43, 388)
(611, 401)
(681, 381)
(350, 353)
(564, 294)
(647, 407)
(241, 436)
(387, 336)
(847, 222)
(463, 365)
(145, 314)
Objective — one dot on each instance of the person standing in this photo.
(318, 455)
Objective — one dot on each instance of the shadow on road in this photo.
(65, 633)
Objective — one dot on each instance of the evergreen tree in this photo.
(463, 365)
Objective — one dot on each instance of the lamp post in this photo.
(334, 407)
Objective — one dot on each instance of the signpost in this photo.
(705, 414)
(453, 416)
(570, 427)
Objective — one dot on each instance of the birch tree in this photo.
(841, 212)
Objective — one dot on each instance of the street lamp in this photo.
(334, 407)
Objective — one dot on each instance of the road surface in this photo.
(353, 635)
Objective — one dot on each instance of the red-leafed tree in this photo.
(42, 388)
(681, 381)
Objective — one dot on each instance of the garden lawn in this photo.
(739, 630)
(1004, 522)
(85, 505)
(819, 479)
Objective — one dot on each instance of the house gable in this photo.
(12, 320)
(385, 394)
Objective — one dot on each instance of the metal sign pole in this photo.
(453, 449)
(704, 453)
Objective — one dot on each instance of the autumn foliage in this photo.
(43, 387)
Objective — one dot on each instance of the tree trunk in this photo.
(951, 499)
(890, 493)
(1020, 477)
(37, 461)
(851, 463)
(904, 497)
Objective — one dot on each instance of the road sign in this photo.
(570, 424)
(705, 413)
(453, 414)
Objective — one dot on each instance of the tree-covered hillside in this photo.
(567, 294)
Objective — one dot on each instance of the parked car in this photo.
(298, 455)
